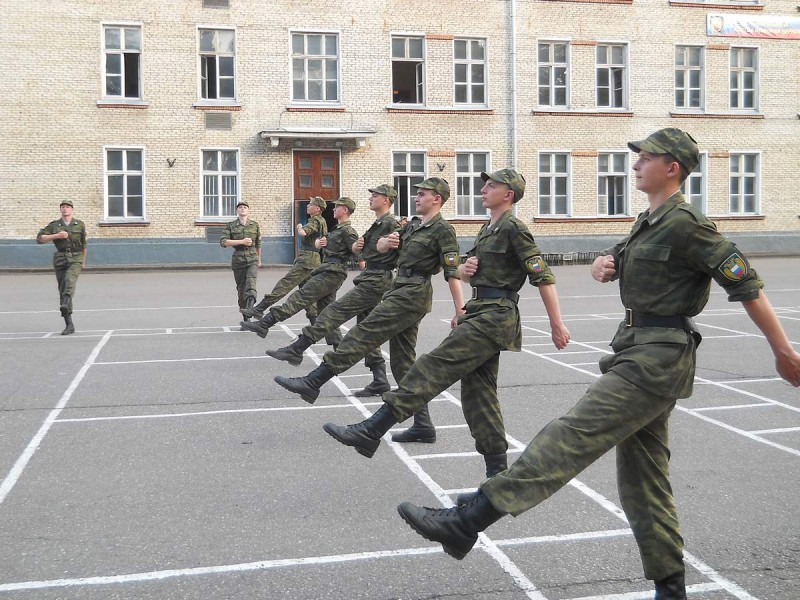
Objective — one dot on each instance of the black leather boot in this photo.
(293, 353)
(672, 587)
(456, 528)
(421, 431)
(261, 327)
(66, 305)
(308, 386)
(70, 328)
(494, 464)
(378, 385)
(365, 436)
(256, 311)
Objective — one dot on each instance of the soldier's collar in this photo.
(500, 220)
(669, 204)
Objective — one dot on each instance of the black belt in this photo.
(333, 260)
(378, 267)
(636, 319)
(404, 272)
(481, 293)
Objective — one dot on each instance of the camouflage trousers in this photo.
(396, 320)
(613, 413)
(245, 277)
(317, 291)
(67, 278)
(358, 302)
(470, 354)
(295, 277)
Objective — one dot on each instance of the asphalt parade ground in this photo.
(152, 456)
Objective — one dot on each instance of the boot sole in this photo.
(402, 440)
(365, 393)
(256, 331)
(295, 362)
(449, 550)
(306, 397)
(369, 453)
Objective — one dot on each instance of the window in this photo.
(470, 71)
(744, 72)
(689, 76)
(744, 183)
(612, 183)
(611, 77)
(553, 58)
(124, 183)
(553, 183)
(217, 64)
(122, 47)
(694, 187)
(469, 200)
(408, 70)
(315, 67)
(408, 169)
(220, 182)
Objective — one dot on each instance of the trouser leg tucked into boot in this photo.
(456, 528)
(494, 464)
(378, 385)
(293, 353)
(308, 386)
(256, 311)
(672, 587)
(365, 436)
(70, 328)
(261, 327)
(66, 305)
(421, 431)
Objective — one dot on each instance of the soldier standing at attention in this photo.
(307, 260)
(426, 246)
(368, 289)
(504, 255)
(665, 267)
(320, 288)
(244, 236)
(69, 237)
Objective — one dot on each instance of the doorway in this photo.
(316, 173)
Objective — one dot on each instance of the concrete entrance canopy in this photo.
(275, 136)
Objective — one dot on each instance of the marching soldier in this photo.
(244, 236)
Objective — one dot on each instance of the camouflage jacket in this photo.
(242, 255)
(382, 227)
(72, 247)
(315, 228)
(339, 250)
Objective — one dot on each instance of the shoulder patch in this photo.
(451, 259)
(734, 267)
(535, 264)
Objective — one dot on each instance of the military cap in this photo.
(438, 185)
(511, 178)
(385, 189)
(67, 202)
(344, 201)
(242, 203)
(318, 201)
(673, 141)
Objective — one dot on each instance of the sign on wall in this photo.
(776, 27)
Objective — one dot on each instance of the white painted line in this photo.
(779, 430)
(453, 454)
(566, 537)
(178, 360)
(735, 381)
(697, 588)
(21, 462)
(732, 407)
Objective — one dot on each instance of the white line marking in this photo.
(779, 430)
(177, 360)
(16, 471)
(732, 407)
(697, 588)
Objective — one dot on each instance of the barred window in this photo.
(220, 178)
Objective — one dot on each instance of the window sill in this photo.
(416, 109)
(316, 108)
(220, 105)
(717, 5)
(122, 103)
(710, 115)
(124, 223)
(583, 113)
(736, 217)
(596, 219)
(213, 221)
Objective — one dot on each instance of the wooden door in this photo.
(316, 173)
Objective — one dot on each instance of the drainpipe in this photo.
(514, 84)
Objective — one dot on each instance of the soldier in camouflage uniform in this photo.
(504, 255)
(320, 289)
(244, 236)
(307, 260)
(368, 289)
(665, 267)
(426, 246)
(69, 237)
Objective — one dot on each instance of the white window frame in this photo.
(741, 70)
(411, 210)
(469, 62)
(552, 175)
(740, 154)
(552, 65)
(104, 52)
(700, 172)
(687, 70)
(220, 183)
(421, 70)
(471, 175)
(608, 67)
(305, 57)
(125, 173)
(217, 54)
(625, 172)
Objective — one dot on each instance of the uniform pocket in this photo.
(648, 266)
